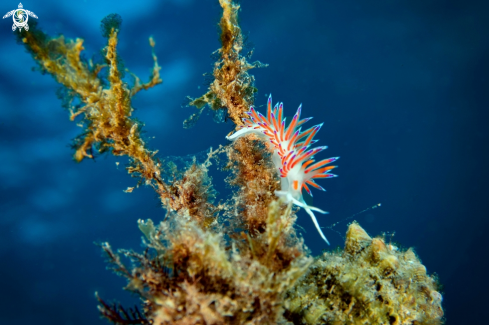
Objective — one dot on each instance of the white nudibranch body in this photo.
(291, 154)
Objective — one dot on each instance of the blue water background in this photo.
(401, 87)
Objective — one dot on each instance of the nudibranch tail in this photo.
(308, 210)
(291, 154)
(314, 220)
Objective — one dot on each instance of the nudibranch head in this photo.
(292, 155)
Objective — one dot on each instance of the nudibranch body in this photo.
(291, 154)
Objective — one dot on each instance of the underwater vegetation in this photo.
(238, 261)
(369, 282)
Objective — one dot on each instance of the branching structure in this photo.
(233, 90)
(252, 268)
(106, 114)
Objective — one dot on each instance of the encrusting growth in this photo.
(370, 282)
(241, 261)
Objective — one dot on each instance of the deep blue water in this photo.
(401, 87)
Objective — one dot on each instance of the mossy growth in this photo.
(105, 110)
(232, 88)
(109, 24)
(191, 275)
(256, 180)
(370, 282)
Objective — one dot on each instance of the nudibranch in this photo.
(291, 154)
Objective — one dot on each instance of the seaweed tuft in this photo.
(110, 22)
